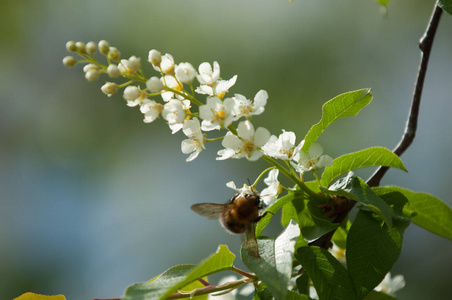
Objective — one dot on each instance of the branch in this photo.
(425, 45)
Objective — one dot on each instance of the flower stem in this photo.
(295, 179)
(260, 176)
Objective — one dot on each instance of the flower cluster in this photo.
(172, 96)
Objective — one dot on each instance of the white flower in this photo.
(270, 193)
(172, 83)
(245, 190)
(185, 73)
(312, 160)
(195, 142)
(174, 113)
(210, 81)
(218, 89)
(281, 147)
(150, 109)
(166, 65)
(391, 285)
(216, 113)
(154, 84)
(246, 143)
(246, 108)
(206, 75)
(129, 66)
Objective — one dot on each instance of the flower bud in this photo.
(167, 64)
(155, 57)
(134, 63)
(92, 75)
(104, 47)
(131, 93)
(114, 54)
(154, 85)
(113, 71)
(71, 47)
(109, 88)
(69, 61)
(91, 48)
(81, 47)
(90, 67)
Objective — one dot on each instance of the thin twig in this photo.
(425, 45)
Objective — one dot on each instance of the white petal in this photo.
(245, 130)
(324, 161)
(261, 137)
(315, 150)
(225, 154)
(260, 100)
(231, 141)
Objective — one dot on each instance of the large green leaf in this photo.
(375, 156)
(345, 105)
(274, 266)
(312, 222)
(446, 5)
(431, 213)
(372, 249)
(355, 188)
(331, 279)
(179, 276)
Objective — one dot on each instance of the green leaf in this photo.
(313, 224)
(33, 296)
(340, 235)
(431, 213)
(375, 156)
(344, 105)
(274, 266)
(372, 249)
(303, 284)
(272, 210)
(355, 188)
(331, 279)
(179, 276)
(446, 5)
(374, 295)
(295, 296)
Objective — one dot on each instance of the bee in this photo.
(237, 216)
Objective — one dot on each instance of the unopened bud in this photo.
(104, 47)
(69, 61)
(114, 54)
(109, 88)
(90, 67)
(155, 57)
(113, 71)
(71, 47)
(131, 93)
(92, 75)
(81, 47)
(91, 47)
(154, 85)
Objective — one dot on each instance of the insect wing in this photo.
(249, 241)
(211, 211)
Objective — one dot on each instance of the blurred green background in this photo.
(93, 199)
